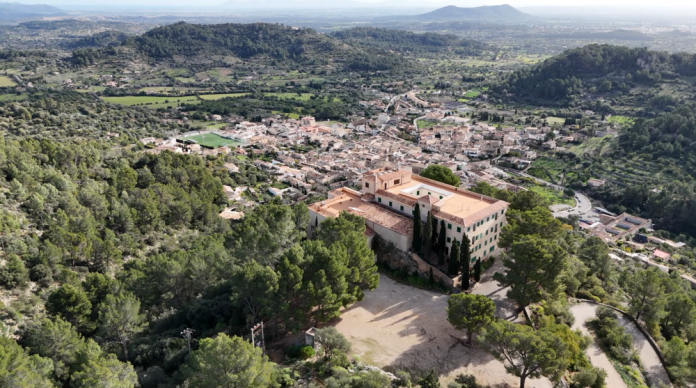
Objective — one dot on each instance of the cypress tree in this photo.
(427, 235)
(417, 238)
(453, 265)
(433, 223)
(477, 270)
(442, 237)
(465, 261)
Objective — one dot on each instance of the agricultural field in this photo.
(212, 97)
(426, 123)
(92, 89)
(552, 196)
(152, 101)
(291, 96)
(548, 169)
(555, 120)
(623, 120)
(213, 140)
(13, 97)
(6, 82)
(596, 146)
(472, 94)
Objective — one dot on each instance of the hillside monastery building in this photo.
(388, 199)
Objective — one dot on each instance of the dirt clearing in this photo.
(406, 327)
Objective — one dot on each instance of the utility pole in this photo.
(187, 334)
(254, 331)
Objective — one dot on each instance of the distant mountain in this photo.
(9, 11)
(273, 44)
(495, 12)
(409, 42)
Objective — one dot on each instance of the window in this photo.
(491, 230)
(488, 219)
(501, 224)
(486, 233)
(402, 208)
(428, 193)
(502, 212)
(379, 199)
(473, 259)
(449, 226)
(418, 192)
(390, 203)
(367, 184)
(397, 181)
(481, 235)
(385, 186)
(440, 197)
(449, 239)
(491, 250)
(459, 229)
(495, 237)
(468, 229)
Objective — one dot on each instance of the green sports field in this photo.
(213, 140)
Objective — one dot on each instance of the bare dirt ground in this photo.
(406, 327)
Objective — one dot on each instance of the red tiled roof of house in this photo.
(661, 254)
(396, 197)
(428, 199)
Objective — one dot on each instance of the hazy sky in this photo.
(361, 3)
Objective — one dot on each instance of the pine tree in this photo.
(453, 267)
(465, 261)
(417, 238)
(477, 270)
(430, 381)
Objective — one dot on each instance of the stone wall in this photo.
(409, 263)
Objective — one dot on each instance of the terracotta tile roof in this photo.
(396, 197)
(490, 210)
(384, 217)
(428, 199)
(392, 175)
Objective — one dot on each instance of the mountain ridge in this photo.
(452, 12)
(16, 10)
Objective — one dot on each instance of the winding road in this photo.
(652, 366)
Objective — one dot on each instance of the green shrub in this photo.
(306, 352)
(302, 352)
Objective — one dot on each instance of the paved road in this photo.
(652, 366)
(582, 202)
(583, 312)
(582, 206)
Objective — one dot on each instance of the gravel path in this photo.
(582, 313)
(651, 363)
